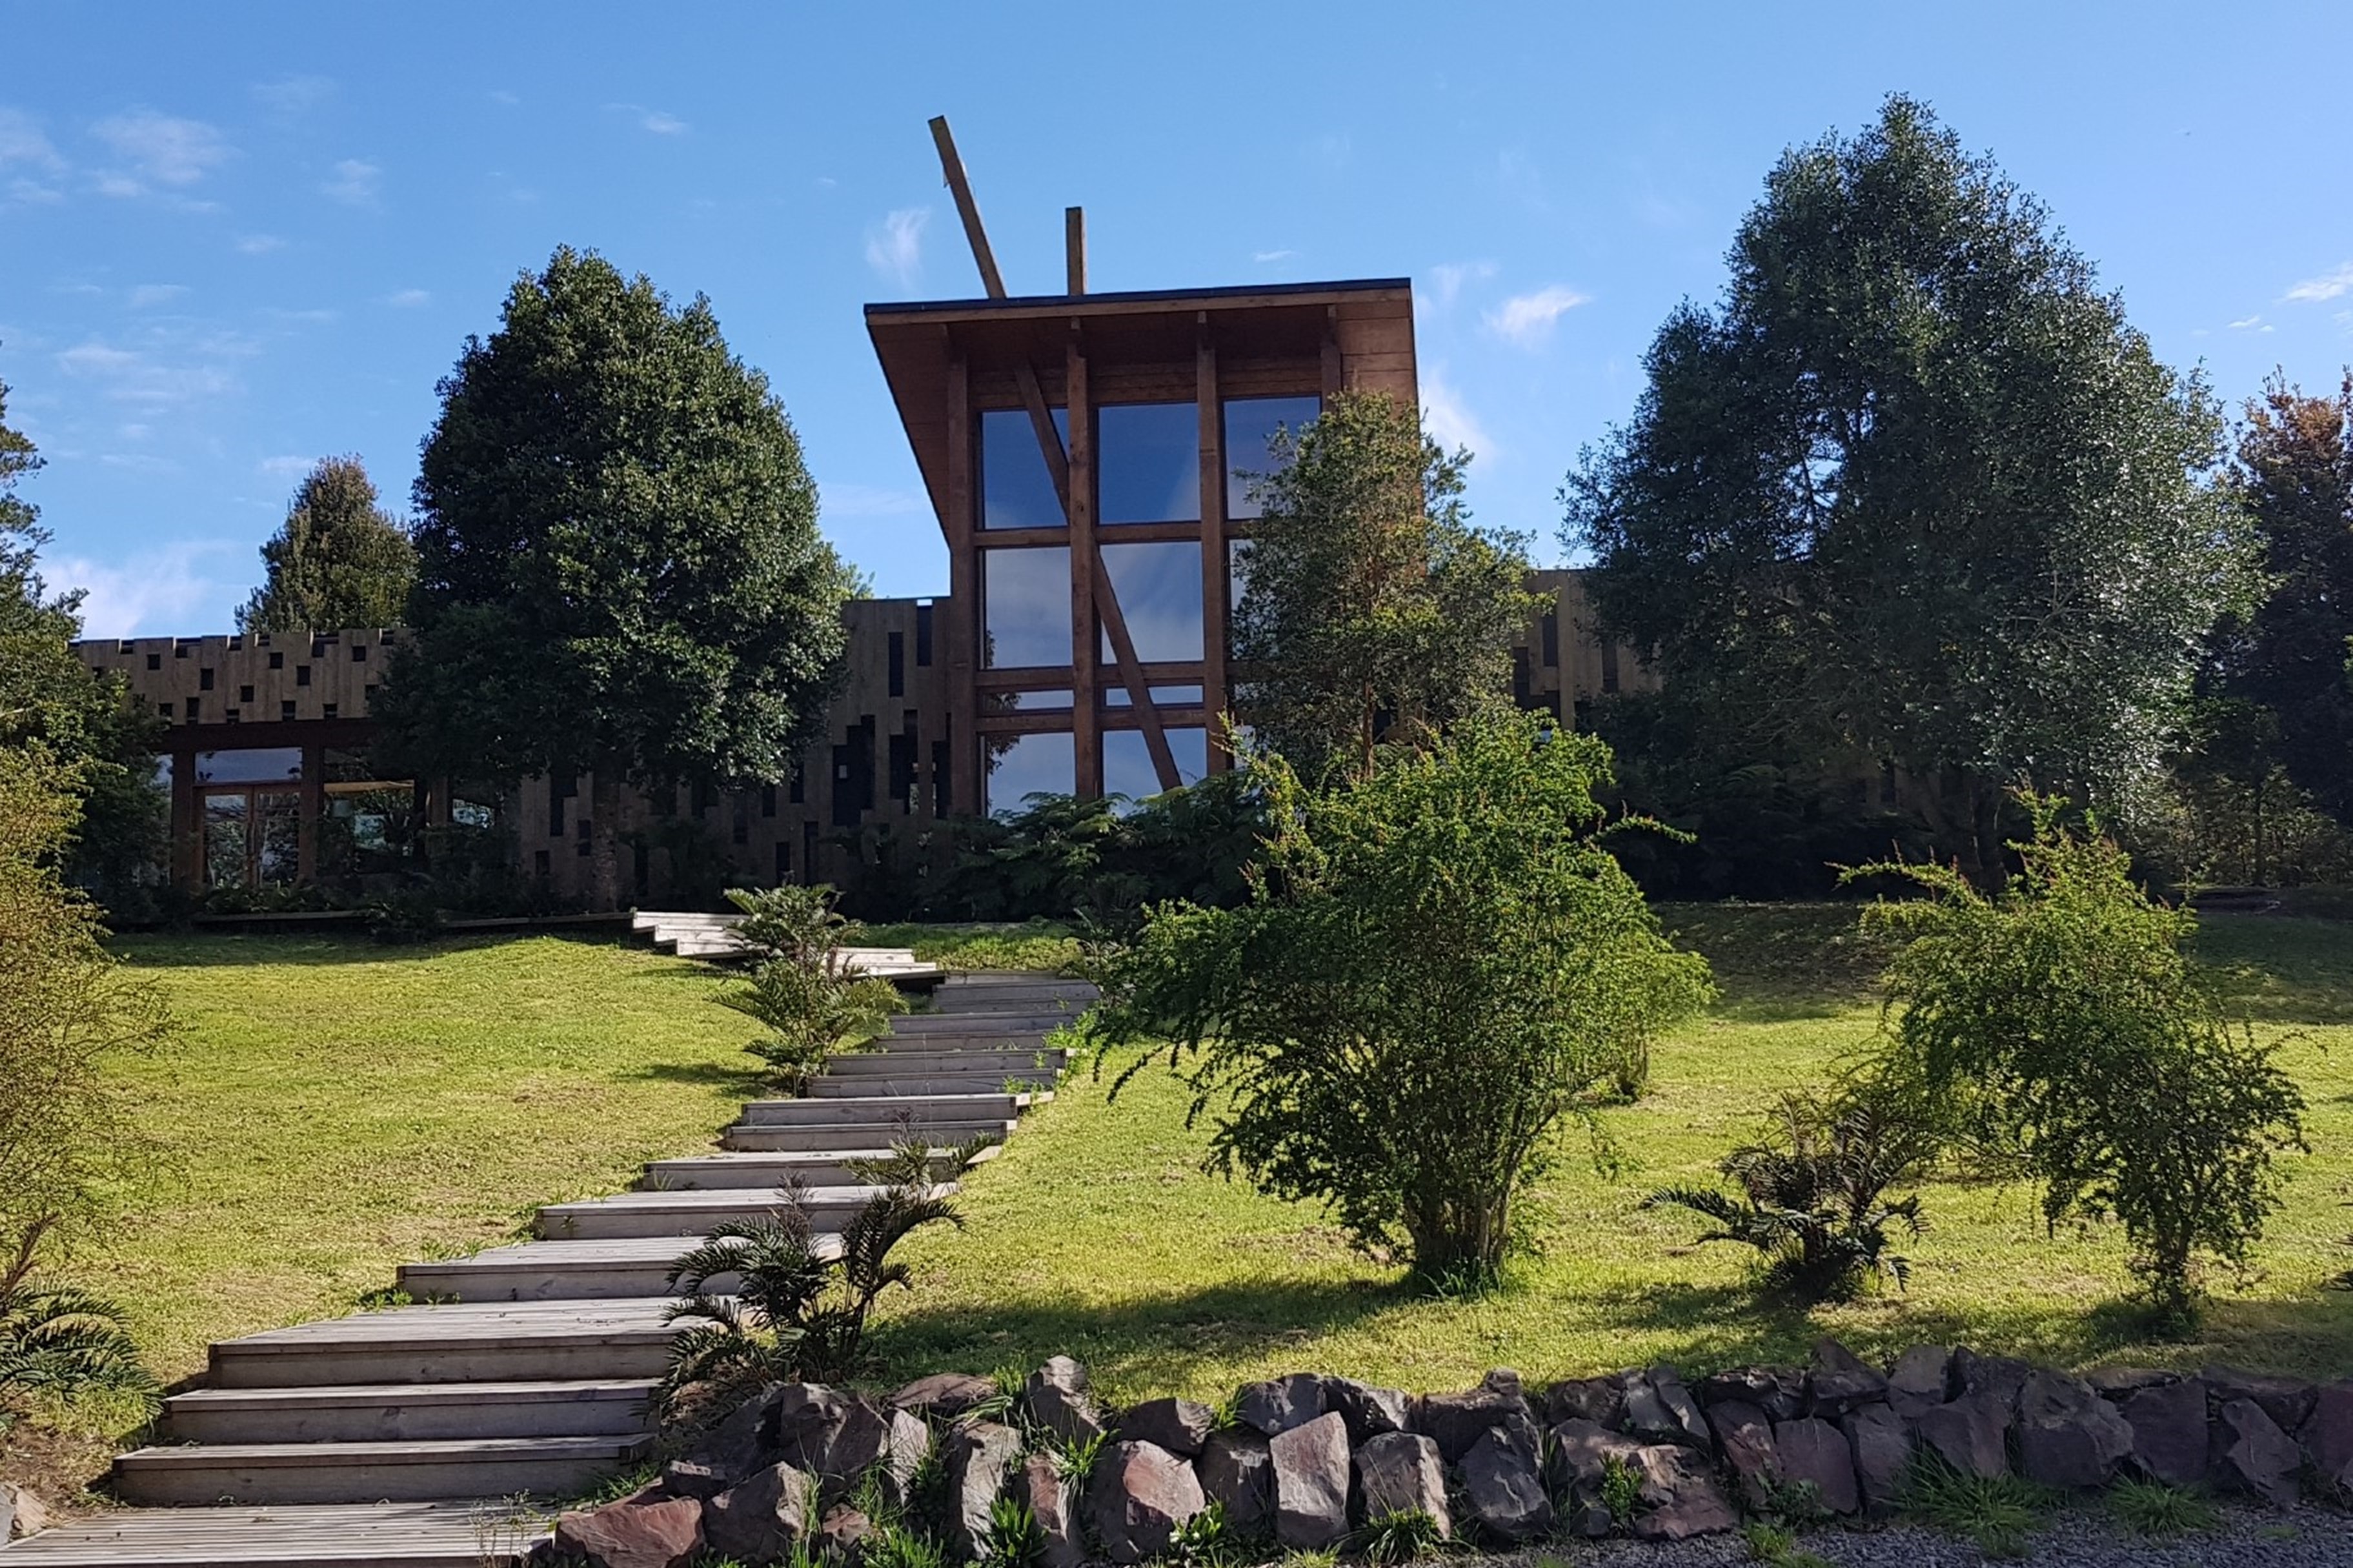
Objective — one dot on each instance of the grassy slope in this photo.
(1096, 1233)
(333, 1109)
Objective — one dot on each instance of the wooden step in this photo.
(872, 1064)
(770, 1137)
(915, 1109)
(416, 1412)
(1014, 1022)
(373, 1472)
(463, 1535)
(491, 1342)
(610, 1268)
(680, 1217)
(1031, 1080)
(814, 1167)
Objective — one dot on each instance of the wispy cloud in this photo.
(147, 296)
(170, 366)
(1527, 319)
(258, 244)
(2328, 285)
(845, 500)
(895, 247)
(659, 122)
(160, 150)
(1447, 279)
(293, 95)
(289, 465)
(2250, 324)
(22, 143)
(1451, 421)
(1264, 257)
(407, 298)
(149, 591)
(356, 183)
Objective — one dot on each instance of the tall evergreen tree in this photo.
(619, 567)
(337, 561)
(1915, 491)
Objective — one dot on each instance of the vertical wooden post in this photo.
(962, 632)
(1085, 728)
(1334, 370)
(1215, 610)
(1074, 248)
(313, 807)
(187, 854)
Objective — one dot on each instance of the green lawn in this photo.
(333, 1109)
(1095, 1232)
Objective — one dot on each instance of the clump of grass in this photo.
(1406, 1535)
(1621, 1490)
(1996, 1512)
(2157, 1511)
(1776, 1545)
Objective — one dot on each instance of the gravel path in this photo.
(2248, 1538)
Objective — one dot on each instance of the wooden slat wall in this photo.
(340, 684)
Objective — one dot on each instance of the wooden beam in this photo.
(963, 619)
(1334, 370)
(967, 209)
(1215, 611)
(1131, 675)
(1077, 503)
(1074, 248)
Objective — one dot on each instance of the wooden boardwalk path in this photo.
(366, 1441)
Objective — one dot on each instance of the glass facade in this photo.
(1250, 423)
(1127, 761)
(1016, 488)
(1114, 695)
(1030, 764)
(1148, 462)
(265, 765)
(1025, 607)
(1159, 589)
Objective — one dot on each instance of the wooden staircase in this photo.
(530, 1368)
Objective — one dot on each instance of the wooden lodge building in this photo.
(1081, 451)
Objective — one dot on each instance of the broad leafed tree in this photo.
(339, 560)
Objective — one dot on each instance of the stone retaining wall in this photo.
(1306, 1461)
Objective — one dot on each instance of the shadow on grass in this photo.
(1780, 963)
(748, 1082)
(202, 949)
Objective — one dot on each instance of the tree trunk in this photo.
(603, 841)
(1985, 818)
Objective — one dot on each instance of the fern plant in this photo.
(811, 1003)
(801, 1300)
(1811, 1193)
(1013, 1538)
(61, 1340)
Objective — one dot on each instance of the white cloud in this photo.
(258, 244)
(21, 142)
(894, 248)
(843, 500)
(22, 190)
(2328, 285)
(148, 295)
(179, 367)
(2252, 324)
(291, 95)
(1264, 257)
(149, 591)
(1451, 422)
(1527, 319)
(501, 95)
(160, 148)
(354, 182)
(287, 466)
(1446, 279)
(408, 299)
(660, 122)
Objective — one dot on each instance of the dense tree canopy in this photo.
(1368, 599)
(1915, 492)
(48, 698)
(337, 561)
(619, 568)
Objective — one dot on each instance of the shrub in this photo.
(58, 1340)
(1811, 1192)
(1435, 967)
(2059, 1021)
(800, 989)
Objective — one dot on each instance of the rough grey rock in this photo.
(7, 1514)
(2287, 1401)
(977, 1457)
(1970, 1433)
(2327, 1436)
(1310, 1465)
(909, 1444)
(1917, 1382)
(1577, 1456)
(1813, 1453)
(1503, 1488)
(2168, 1424)
(1057, 1398)
(832, 1435)
(1455, 1421)
(1039, 1485)
(1681, 1498)
(1840, 1381)
(634, 1535)
(2068, 1436)
(1179, 1426)
(1659, 1407)
(1882, 1448)
(742, 1441)
(2253, 1455)
(1744, 1435)
(1503, 1380)
(697, 1478)
(842, 1534)
(1137, 1495)
(1369, 1411)
(1238, 1473)
(761, 1520)
(21, 1512)
(1999, 1377)
(1600, 1400)
(2121, 1382)
(1590, 1520)
(1280, 1403)
(943, 1395)
(1401, 1472)
(1778, 1390)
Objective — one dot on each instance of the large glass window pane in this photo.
(1114, 695)
(266, 764)
(1016, 489)
(1159, 589)
(1025, 607)
(1027, 766)
(1127, 761)
(278, 827)
(1250, 423)
(1148, 462)
(225, 840)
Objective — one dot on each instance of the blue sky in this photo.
(235, 239)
